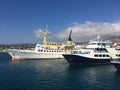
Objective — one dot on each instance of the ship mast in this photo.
(45, 35)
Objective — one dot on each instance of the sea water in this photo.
(55, 75)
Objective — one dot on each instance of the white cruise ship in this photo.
(47, 50)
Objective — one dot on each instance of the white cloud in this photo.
(84, 32)
(89, 30)
(38, 33)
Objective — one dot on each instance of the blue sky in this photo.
(20, 19)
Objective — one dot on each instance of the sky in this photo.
(22, 21)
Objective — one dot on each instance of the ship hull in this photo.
(31, 55)
(75, 59)
(116, 65)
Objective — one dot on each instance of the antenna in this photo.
(98, 37)
(46, 27)
(45, 31)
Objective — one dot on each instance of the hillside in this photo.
(115, 40)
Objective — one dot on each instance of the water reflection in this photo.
(57, 74)
(101, 76)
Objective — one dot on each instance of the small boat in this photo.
(116, 59)
(116, 63)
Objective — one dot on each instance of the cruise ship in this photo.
(47, 50)
(98, 51)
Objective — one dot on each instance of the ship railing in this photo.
(100, 51)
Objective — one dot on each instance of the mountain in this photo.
(115, 40)
(112, 39)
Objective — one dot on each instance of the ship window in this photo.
(93, 44)
(100, 55)
(38, 50)
(96, 55)
(103, 44)
(84, 52)
(118, 49)
(107, 55)
(103, 55)
(118, 55)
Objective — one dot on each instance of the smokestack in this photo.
(69, 42)
(69, 38)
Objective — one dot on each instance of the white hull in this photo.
(33, 55)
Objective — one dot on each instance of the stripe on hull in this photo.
(14, 59)
(33, 57)
(75, 59)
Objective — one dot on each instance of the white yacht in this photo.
(98, 51)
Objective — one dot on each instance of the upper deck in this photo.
(99, 43)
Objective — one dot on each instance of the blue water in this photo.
(55, 75)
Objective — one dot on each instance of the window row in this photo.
(101, 55)
(49, 51)
(118, 55)
(117, 49)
